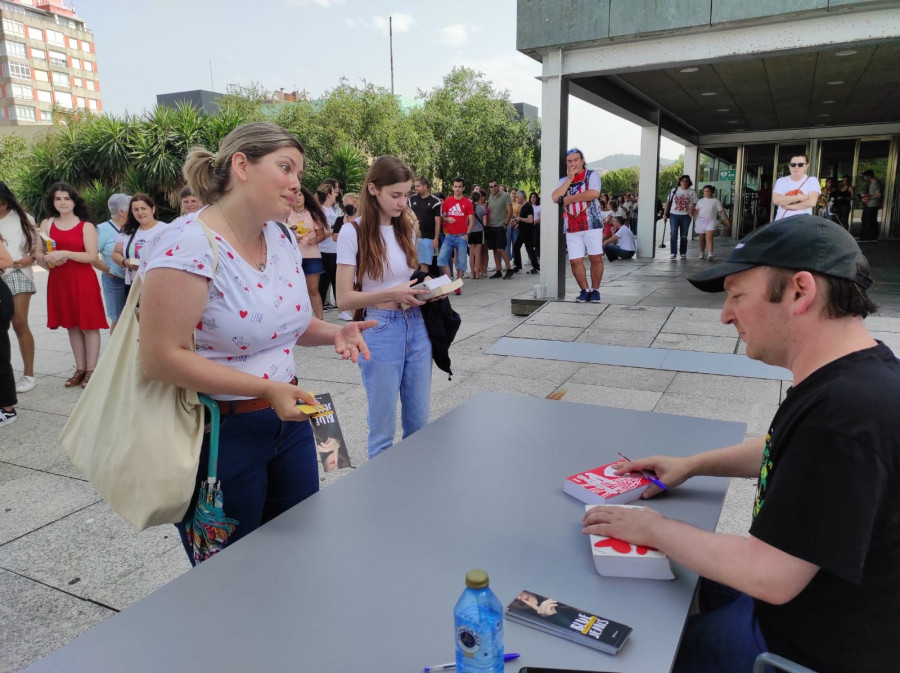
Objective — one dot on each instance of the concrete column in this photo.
(554, 131)
(647, 187)
(691, 154)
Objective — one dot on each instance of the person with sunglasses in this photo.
(578, 194)
(797, 193)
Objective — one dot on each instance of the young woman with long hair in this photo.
(307, 220)
(18, 231)
(8, 397)
(376, 259)
(73, 292)
(226, 324)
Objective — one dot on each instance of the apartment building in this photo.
(46, 59)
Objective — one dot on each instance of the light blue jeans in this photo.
(450, 242)
(400, 364)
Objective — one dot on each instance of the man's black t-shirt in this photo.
(425, 210)
(829, 493)
(524, 212)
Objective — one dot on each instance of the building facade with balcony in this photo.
(47, 59)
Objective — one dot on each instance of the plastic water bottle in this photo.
(478, 618)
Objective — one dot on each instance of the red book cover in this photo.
(602, 486)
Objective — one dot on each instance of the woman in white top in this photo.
(308, 223)
(140, 230)
(708, 210)
(228, 327)
(327, 195)
(679, 209)
(18, 231)
(376, 259)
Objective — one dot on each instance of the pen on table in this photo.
(450, 667)
(646, 474)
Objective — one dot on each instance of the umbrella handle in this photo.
(214, 418)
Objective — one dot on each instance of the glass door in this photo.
(756, 187)
(873, 156)
(836, 159)
(717, 169)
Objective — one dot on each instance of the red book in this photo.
(602, 486)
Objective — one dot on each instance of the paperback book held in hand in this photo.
(559, 619)
(602, 486)
(436, 287)
(617, 558)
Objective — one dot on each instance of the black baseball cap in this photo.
(802, 243)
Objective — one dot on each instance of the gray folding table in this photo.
(364, 575)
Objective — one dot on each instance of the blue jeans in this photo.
(512, 237)
(682, 223)
(400, 365)
(114, 295)
(724, 637)
(614, 252)
(450, 242)
(266, 466)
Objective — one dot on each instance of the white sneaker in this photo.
(7, 417)
(25, 383)
(701, 255)
(345, 316)
(709, 257)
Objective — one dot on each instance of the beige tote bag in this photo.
(135, 439)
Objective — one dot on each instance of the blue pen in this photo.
(450, 667)
(646, 474)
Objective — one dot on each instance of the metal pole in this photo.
(391, 36)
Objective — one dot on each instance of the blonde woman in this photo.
(228, 328)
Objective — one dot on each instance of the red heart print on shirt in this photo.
(244, 314)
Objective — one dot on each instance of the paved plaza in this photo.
(67, 562)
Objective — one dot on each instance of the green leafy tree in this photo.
(348, 167)
(668, 178)
(13, 153)
(477, 133)
(621, 181)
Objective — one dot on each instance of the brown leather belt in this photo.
(227, 407)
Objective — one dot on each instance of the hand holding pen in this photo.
(663, 471)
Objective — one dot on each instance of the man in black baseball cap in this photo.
(817, 580)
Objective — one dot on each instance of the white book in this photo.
(616, 558)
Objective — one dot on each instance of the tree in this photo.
(477, 133)
(621, 181)
(668, 178)
(13, 153)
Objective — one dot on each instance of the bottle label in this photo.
(468, 640)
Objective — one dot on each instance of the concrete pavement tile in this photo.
(490, 382)
(881, 323)
(535, 368)
(50, 396)
(690, 342)
(635, 378)
(757, 416)
(705, 321)
(562, 307)
(35, 499)
(620, 398)
(764, 391)
(546, 332)
(33, 440)
(327, 369)
(695, 302)
(157, 572)
(47, 361)
(86, 552)
(560, 319)
(634, 318)
(890, 339)
(614, 337)
(737, 511)
(38, 620)
(742, 348)
(10, 472)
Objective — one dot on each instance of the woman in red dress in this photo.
(73, 293)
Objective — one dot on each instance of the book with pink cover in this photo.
(602, 486)
(617, 558)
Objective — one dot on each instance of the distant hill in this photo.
(616, 161)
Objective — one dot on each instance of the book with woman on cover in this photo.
(330, 442)
(559, 619)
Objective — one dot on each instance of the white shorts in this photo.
(580, 241)
(704, 224)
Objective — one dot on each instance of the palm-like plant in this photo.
(348, 167)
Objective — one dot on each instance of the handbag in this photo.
(137, 440)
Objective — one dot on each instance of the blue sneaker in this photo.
(595, 296)
(583, 297)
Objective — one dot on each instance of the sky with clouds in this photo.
(144, 49)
